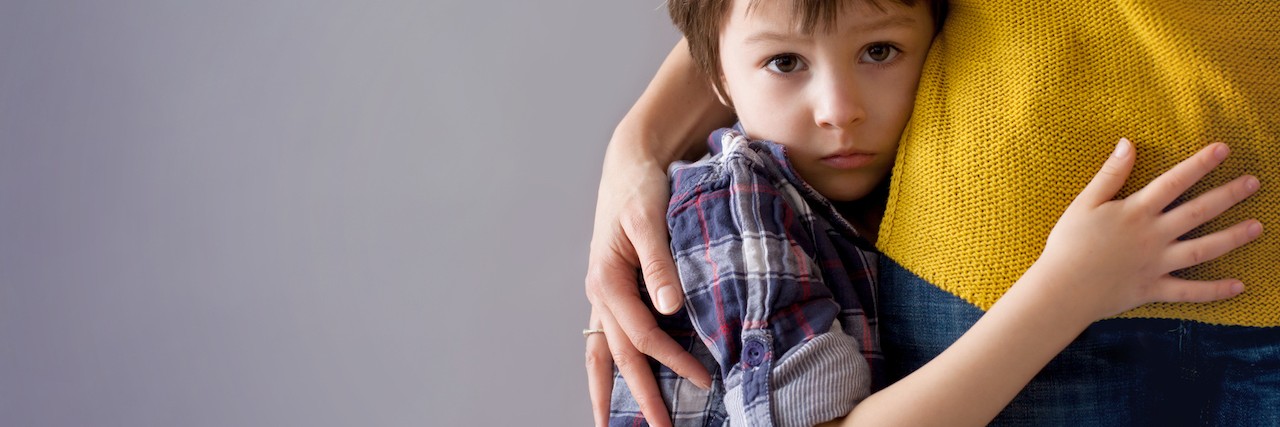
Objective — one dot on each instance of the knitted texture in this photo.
(1021, 102)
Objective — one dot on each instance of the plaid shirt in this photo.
(780, 295)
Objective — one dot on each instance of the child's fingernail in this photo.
(1122, 148)
(1237, 287)
(1220, 152)
(667, 300)
(1251, 184)
(1255, 229)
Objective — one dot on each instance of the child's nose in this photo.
(838, 104)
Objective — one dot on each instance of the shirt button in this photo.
(754, 352)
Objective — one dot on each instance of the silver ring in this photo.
(588, 332)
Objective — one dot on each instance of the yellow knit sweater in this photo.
(1022, 101)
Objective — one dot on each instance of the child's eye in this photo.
(880, 52)
(785, 64)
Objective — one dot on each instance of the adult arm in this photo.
(668, 122)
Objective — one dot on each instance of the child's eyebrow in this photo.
(769, 36)
(888, 21)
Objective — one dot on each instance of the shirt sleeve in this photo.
(756, 296)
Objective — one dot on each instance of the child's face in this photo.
(837, 99)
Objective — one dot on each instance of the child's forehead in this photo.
(808, 16)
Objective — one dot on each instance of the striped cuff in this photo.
(821, 380)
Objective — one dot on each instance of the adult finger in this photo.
(648, 235)
(637, 324)
(1177, 180)
(1172, 289)
(599, 373)
(1111, 177)
(620, 300)
(1195, 251)
(1209, 205)
(635, 369)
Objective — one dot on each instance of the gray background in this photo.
(288, 213)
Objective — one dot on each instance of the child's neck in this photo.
(864, 214)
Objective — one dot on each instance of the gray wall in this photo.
(289, 213)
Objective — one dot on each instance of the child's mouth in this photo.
(848, 160)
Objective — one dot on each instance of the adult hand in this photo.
(630, 233)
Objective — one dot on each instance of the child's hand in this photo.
(1107, 256)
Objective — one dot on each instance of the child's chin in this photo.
(845, 193)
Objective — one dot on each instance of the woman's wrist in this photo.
(633, 143)
(645, 137)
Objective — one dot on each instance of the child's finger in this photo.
(1209, 205)
(1192, 252)
(1107, 182)
(1171, 289)
(1177, 180)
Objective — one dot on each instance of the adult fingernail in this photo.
(667, 297)
(1122, 148)
(701, 383)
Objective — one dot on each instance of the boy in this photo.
(779, 285)
(840, 125)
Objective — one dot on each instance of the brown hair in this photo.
(701, 21)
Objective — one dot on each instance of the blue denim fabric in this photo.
(1119, 372)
